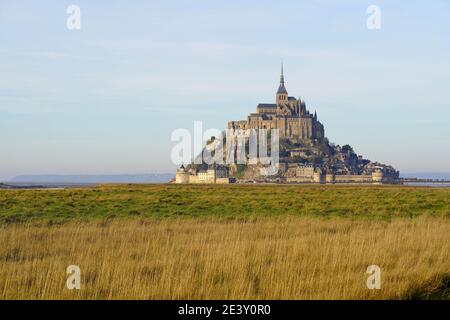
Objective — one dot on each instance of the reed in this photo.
(263, 258)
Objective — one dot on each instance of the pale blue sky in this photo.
(105, 99)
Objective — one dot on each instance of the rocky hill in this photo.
(315, 155)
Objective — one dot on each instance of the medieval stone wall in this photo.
(352, 178)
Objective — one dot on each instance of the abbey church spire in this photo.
(282, 75)
(281, 88)
(282, 94)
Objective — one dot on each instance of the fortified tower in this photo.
(182, 175)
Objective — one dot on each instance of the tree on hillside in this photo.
(347, 149)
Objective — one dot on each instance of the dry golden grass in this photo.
(269, 258)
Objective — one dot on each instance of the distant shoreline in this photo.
(61, 186)
(84, 179)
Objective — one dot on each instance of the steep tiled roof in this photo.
(281, 88)
(267, 105)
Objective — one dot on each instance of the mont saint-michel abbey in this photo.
(305, 154)
(288, 114)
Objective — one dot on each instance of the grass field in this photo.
(237, 242)
(222, 202)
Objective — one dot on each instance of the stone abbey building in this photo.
(287, 114)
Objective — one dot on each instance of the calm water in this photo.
(68, 185)
(49, 185)
(428, 184)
